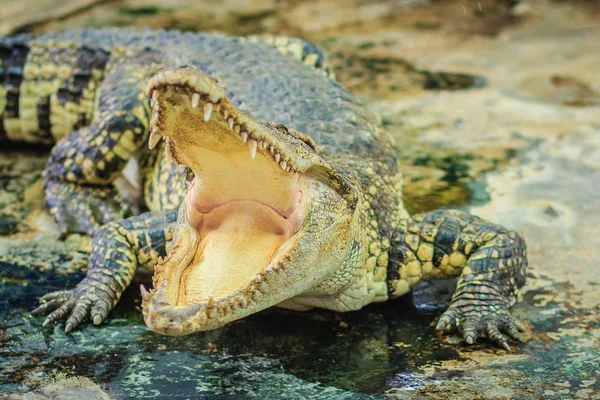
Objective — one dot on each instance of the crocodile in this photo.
(263, 181)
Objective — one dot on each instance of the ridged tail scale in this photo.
(47, 89)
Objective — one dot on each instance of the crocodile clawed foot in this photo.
(74, 306)
(482, 322)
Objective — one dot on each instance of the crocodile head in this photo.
(265, 217)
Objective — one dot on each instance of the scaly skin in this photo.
(300, 213)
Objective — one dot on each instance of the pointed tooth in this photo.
(230, 122)
(252, 144)
(236, 128)
(272, 149)
(208, 108)
(155, 95)
(256, 294)
(211, 312)
(195, 100)
(202, 316)
(224, 308)
(153, 119)
(264, 286)
(242, 301)
(210, 303)
(154, 138)
(244, 136)
(144, 292)
(283, 165)
(225, 114)
(151, 88)
(277, 157)
(288, 168)
(264, 144)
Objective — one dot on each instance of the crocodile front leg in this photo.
(490, 260)
(118, 249)
(82, 166)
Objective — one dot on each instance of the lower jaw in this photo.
(233, 244)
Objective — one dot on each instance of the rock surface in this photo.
(513, 135)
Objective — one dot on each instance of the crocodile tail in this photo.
(13, 57)
(48, 85)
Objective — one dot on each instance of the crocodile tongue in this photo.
(237, 241)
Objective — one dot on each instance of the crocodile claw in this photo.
(482, 321)
(75, 305)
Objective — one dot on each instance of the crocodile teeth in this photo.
(244, 136)
(144, 292)
(230, 122)
(242, 301)
(264, 144)
(225, 114)
(154, 97)
(211, 312)
(252, 144)
(153, 119)
(210, 303)
(154, 138)
(236, 128)
(195, 100)
(277, 157)
(283, 165)
(272, 149)
(208, 109)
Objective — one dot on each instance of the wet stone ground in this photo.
(495, 107)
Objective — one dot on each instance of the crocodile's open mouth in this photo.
(243, 210)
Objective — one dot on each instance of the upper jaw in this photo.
(188, 96)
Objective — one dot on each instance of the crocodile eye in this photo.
(298, 135)
(306, 139)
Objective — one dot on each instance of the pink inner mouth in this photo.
(196, 200)
(242, 211)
